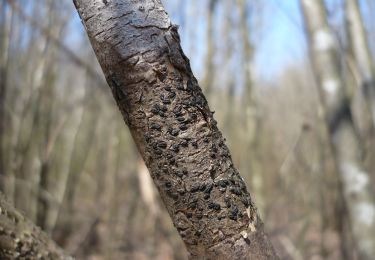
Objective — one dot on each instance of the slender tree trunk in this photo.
(151, 80)
(4, 62)
(46, 139)
(114, 201)
(83, 141)
(26, 179)
(360, 45)
(352, 175)
(362, 55)
(229, 52)
(209, 59)
(252, 118)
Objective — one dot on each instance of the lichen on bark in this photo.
(151, 80)
(21, 239)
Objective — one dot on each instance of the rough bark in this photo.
(21, 239)
(160, 100)
(352, 174)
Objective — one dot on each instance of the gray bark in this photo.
(160, 100)
(362, 55)
(352, 174)
(21, 239)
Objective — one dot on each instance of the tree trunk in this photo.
(209, 59)
(25, 197)
(362, 55)
(21, 239)
(151, 80)
(4, 62)
(83, 141)
(252, 120)
(352, 175)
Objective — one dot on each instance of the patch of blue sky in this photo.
(280, 44)
(283, 41)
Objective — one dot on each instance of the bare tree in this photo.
(336, 101)
(160, 100)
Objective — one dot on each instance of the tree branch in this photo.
(174, 129)
(21, 239)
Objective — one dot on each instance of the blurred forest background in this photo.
(294, 93)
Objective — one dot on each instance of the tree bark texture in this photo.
(151, 80)
(352, 174)
(21, 239)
